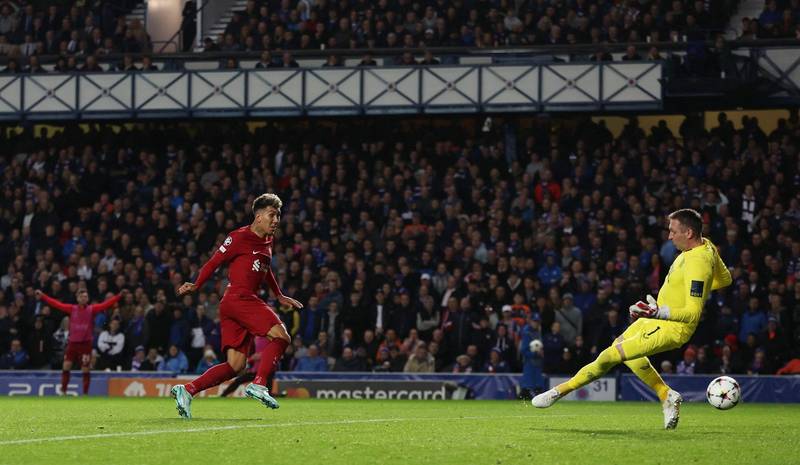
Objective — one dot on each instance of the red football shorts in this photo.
(242, 317)
(79, 353)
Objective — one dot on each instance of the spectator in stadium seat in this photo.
(312, 361)
(34, 67)
(759, 365)
(147, 64)
(265, 61)
(110, 345)
(349, 362)
(420, 361)
(139, 358)
(127, 63)
(753, 321)
(429, 60)
(463, 364)
(16, 358)
(209, 359)
(12, 67)
(570, 319)
(332, 61)
(179, 329)
(39, 342)
(666, 368)
(152, 362)
(495, 364)
(688, 365)
(175, 361)
(631, 54)
(367, 60)
(703, 364)
(287, 61)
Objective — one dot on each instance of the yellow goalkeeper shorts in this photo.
(647, 337)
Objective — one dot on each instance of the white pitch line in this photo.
(276, 425)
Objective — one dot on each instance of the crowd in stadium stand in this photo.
(413, 249)
(83, 33)
(310, 25)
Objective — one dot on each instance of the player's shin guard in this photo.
(644, 370)
(87, 377)
(607, 360)
(269, 359)
(64, 381)
(214, 376)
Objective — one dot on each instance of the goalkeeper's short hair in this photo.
(689, 218)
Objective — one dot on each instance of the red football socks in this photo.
(214, 376)
(269, 359)
(86, 378)
(64, 381)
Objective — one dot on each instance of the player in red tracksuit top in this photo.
(243, 315)
(81, 331)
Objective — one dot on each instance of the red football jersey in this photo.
(81, 318)
(248, 257)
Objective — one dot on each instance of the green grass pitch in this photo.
(329, 432)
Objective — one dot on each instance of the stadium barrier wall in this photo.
(602, 389)
(772, 389)
(333, 91)
(48, 382)
(626, 387)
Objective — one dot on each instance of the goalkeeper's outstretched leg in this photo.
(640, 339)
(607, 360)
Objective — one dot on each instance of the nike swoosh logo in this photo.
(256, 252)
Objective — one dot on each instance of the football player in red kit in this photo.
(81, 331)
(243, 315)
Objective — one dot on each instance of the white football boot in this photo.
(546, 399)
(672, 409)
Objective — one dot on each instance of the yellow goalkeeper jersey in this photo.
(691, 278)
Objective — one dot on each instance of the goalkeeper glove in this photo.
(648, 310)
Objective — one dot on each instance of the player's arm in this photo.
(106, 304)
(722, 275)
(272, 282)
(53, 303)
(269, 277)
(222, 255)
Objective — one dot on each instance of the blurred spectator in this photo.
(421, 361)
(175, 361)
(688, 364)
(349, 362)
(16, 358)
(110, 344)
(312, 361)
(152, 362)
(463, 364)
(570, 319)
(495, 364)
(753, 321)
(139, 358)
(39, 342)
(209, 359)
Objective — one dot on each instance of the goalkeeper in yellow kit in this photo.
(663, 324)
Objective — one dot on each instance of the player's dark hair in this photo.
(689, 218)
(266, 200)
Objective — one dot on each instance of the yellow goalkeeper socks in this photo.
(644, 370)
(607, 360)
